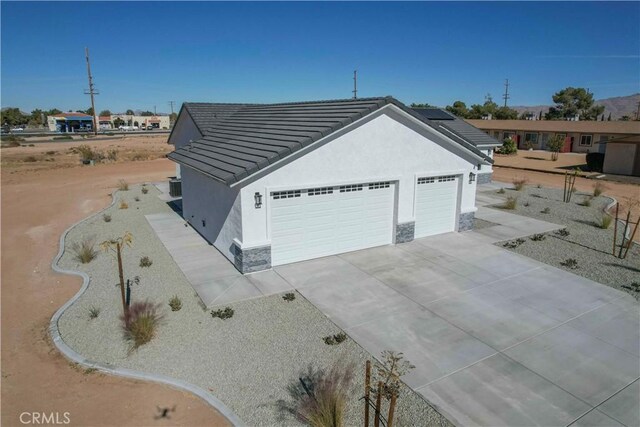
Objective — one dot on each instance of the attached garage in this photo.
(281, 183)
(317, 222)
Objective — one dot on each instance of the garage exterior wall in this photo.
(382, 149)
(204, 199)
(184, 131)
(620, 158)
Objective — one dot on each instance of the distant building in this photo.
(580, 136)
(70, 122)
(623, 156)
(74, 122)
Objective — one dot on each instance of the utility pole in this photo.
(506, 92)
(355, 84)
(171, 105)
(154, 110)
(91, 91)
(638, 112)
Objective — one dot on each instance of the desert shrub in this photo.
(112, 155)
(123, 205)
(586, 201)
(539, 186)
(139, 156)
(106, 218)
(518, 183)
(605, 221)
(538, 237)
(85, 251)
(634, 288)
(289, 296)
(595, 161)
(32, 145)
(175, 303)
(525, 204)
(87, 153)
(563, 232)
(510, 203)
(513, 243)
(123, 185)
(227, 313)
(140, 322)
(12, 140)
(570, 263)
(30, 159)
(335, 339)
(50, 153)
(389, 372)
(598, 189)
(324, 400)
(94, 312)
(509, 147)
(501, 191)
(545, 210)
(145, 261)
(554, 145)
(62, 138)
(145, 190)
(137, 199)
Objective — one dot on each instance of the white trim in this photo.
(239, 244)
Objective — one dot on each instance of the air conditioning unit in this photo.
(175, 188)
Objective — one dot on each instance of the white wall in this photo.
(620, 158)
(203, 198)
(184, 131)
(382, 149)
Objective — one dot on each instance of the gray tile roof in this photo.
(457, 126)
(240, 139)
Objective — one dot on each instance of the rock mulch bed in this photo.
(586, 243)
(250, 361)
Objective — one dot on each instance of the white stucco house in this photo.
(271, 184)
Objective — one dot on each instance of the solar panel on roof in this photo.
(434, 114)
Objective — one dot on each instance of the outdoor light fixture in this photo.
(472, 177)
(258, 199)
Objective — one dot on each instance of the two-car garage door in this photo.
(316, 222)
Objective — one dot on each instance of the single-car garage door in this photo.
(316, 222)
(436, 202)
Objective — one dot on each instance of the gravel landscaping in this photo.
(586, 243)
(251, 362)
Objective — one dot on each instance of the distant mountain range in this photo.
(618, 106)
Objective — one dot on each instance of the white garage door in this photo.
(317, 222)
(436, 201)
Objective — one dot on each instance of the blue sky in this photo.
(146, 54)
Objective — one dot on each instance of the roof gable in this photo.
(458, 127)
(238, 140)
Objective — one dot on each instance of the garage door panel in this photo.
(436, 205)
(314, 225)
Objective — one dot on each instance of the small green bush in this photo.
(94, 312)
(289, 296)
(563, 232)
(510, 203)
(509, 147)
(513, 243)
(538, 237)
(570, 263)
(227, 313)
(85, 251)
(137, 199)
(605, 221)
(501, 191)
(145, 261)
(175, 303)
(145, 190)
(545, 210)
(106, 218)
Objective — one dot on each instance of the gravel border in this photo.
(588, 244)
(71, 354)
(251, 362)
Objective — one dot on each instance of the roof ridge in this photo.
(321, 101)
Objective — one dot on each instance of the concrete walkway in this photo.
(213, 276)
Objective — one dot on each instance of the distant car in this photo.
(18, 129)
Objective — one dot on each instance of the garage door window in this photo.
(349, 188)
(320, 191)
(286, 194)
(378, 185)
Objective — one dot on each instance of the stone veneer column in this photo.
(465, 222)
(405, 232)
(252, 259)
(484, 178)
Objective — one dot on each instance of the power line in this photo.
(91, 91)
(506, 92)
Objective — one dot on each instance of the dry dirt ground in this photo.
(541, 160)
(37, 206)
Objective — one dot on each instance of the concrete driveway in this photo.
(497, 339)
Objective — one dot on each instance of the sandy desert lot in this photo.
(40, 200)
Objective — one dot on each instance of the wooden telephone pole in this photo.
(355, 84)
(91, 91)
